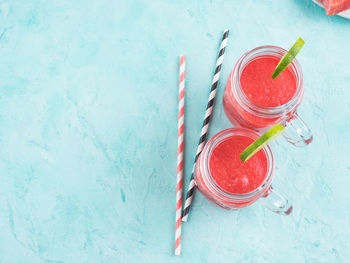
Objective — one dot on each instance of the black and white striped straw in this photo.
(206, 122)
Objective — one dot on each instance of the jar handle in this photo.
(275, 202)
(297, 132)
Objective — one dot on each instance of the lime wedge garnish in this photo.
(288, 58)
(261, 142)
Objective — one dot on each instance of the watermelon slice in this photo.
(335, 6)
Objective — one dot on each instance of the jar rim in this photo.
(250, 106)
(210, 182)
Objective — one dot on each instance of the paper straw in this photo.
(180, 146)
(206, 122)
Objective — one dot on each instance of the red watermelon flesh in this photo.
(335, 6)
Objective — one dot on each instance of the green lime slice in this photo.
(288, 58)
(261, 142)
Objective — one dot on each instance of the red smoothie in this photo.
(252, 97)
(230, 173)
(224, 179)
(260, 88)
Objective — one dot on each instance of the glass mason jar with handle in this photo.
(243, 111)
(209, 185)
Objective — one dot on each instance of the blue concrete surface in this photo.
(88, 111)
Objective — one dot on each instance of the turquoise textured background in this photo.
(88, 125)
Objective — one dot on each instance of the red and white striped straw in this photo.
(180, 147)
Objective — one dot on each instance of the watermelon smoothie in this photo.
(255, 100)
(230, 173)
(275, 92)
(225, 180)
